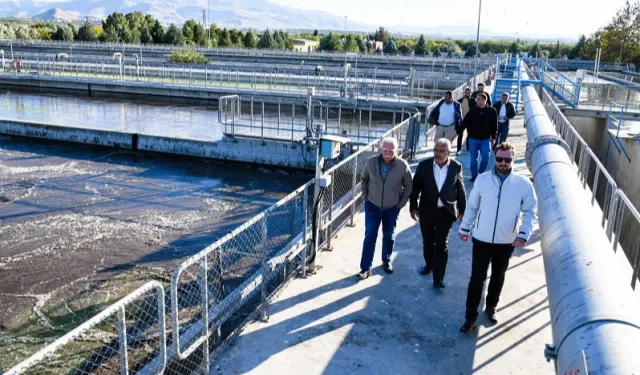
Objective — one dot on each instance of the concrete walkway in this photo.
(331, 323)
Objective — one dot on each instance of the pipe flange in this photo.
(554, 139)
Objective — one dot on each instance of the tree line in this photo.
(619, 39)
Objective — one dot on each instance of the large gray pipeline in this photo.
(593, 309)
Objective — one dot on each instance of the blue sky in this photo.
(567, 18)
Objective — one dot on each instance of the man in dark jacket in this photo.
(506, 112)
(482, 128)
(447, 117)
(438, 183)
(481, 90)
(467, 103)
(386, 188)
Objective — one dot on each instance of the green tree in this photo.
(391, 48)
(174, 36)
(421, 46)
(157, 32)
(187, 31)
(470, 52)
(145, 35)
(119, 23)
(535, 50)
(330, 42)
(63, 32)
(350, 44)
(86, 33)
(557, 53)
(315, 33)
(224, 40)
(109, 35)
(405, 49)
(250, 40)
(436, 52)
(514, 48)
(266, 40)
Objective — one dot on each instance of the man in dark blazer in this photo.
(439, 185)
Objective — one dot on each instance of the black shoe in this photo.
(388, 268)
(468, 326)
(492, 315)
(438, 284)
(364, 274)
(457, 153)
(473, 179)
(426, 270)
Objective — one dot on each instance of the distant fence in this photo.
(363, 85)
(214, 293)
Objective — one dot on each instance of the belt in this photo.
(446, 126)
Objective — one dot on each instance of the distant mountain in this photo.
(242, 14)
(57, 14)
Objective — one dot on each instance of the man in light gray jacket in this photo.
(500, 214)
(386, 188)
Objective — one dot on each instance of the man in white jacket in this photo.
(496, 205)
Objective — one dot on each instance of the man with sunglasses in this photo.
(499, 216)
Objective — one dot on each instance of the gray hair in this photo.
(389, 140)
(444, 142)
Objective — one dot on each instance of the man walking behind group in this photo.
(481, 90)
(447, 117)
(439, 186)
(467, 103)
(386, 188)
(506, 111)
(482, 125)
(496, 202)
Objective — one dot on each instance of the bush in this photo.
(188, 55)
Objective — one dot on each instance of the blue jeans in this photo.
(484, 146)
(373, 216)
(503, 131)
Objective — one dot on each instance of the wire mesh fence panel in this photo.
(124, 338)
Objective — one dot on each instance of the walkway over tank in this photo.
(331, 323)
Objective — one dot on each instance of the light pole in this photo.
(2, 53)
(475, 70)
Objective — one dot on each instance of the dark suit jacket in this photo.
(452, 194)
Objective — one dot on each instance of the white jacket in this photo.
(494, 209)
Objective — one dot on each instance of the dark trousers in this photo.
(460, 136)
(483, 254)
(373, 216)
(435, 240)
(503, 131)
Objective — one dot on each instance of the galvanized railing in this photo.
(364, 85)
(603, 94)
(288, 119)
(216, 292)
(617, 210)
(235, 51)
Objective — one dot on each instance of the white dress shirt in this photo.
(440, 174)
(447, 114)
(502, 116)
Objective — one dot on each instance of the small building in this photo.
(305, 45)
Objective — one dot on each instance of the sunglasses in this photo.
(500, 159)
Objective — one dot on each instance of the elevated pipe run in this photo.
(593, 309)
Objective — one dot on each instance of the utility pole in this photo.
(475, 70)
(209, 17)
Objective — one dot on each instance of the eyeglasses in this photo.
(500, 159)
